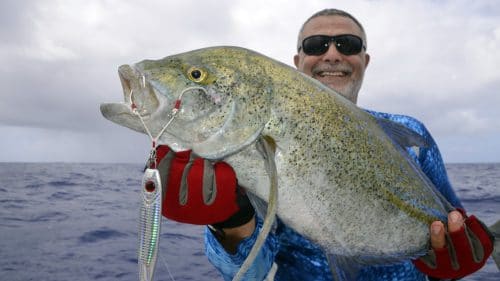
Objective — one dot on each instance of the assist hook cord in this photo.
(175, 110)
(152, 156)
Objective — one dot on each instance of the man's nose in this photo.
(332, 54)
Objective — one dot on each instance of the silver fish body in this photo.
(149, 223)
(342, 182)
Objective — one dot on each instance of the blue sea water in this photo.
(78, 222)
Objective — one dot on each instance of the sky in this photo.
(434, 60)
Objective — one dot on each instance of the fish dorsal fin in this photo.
(402, 135)
(408, 138)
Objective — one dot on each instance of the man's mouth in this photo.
(332, 74)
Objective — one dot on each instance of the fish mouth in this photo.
(138, 92)
(152, 105)
(140, 104)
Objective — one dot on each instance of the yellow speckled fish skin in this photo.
(342, 181)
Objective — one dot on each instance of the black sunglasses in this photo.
(346, 44)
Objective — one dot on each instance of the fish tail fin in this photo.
(495, 230)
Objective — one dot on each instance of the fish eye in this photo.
(196, 74)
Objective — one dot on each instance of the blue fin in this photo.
(404, 137)
(401, 134)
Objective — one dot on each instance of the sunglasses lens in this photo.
(318, 44)
(315, 45)
(348, 44)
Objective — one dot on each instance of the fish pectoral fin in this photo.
(401, 134)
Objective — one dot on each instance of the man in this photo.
(332, 49)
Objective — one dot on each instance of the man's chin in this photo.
(346, 92)
(335, 86)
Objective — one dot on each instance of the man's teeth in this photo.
(333, 73)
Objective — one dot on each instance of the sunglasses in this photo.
(346, 44)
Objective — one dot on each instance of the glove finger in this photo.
(192, 179)
(436, 263)
(443, 259)
(161, 151)
(176, 184)
(478, 236)
(461, 248)
(481, 240)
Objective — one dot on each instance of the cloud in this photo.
(435, 60)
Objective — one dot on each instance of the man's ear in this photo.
(296, 60)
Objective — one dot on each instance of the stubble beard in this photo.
(350, 91)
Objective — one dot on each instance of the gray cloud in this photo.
(433, 60)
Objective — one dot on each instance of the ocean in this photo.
(78, 222)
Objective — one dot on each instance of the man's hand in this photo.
(460, 250)
(455, 222)
(198, 191)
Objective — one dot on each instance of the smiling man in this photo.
(343, 73)
(332, 49)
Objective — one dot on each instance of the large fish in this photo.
(343, 182)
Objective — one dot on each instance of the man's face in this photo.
(340, 72)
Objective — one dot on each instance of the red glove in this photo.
(198, 191)
(466, 252)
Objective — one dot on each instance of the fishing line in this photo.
(152, 159)
(166, 265)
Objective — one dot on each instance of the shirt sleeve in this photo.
(228, 264)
